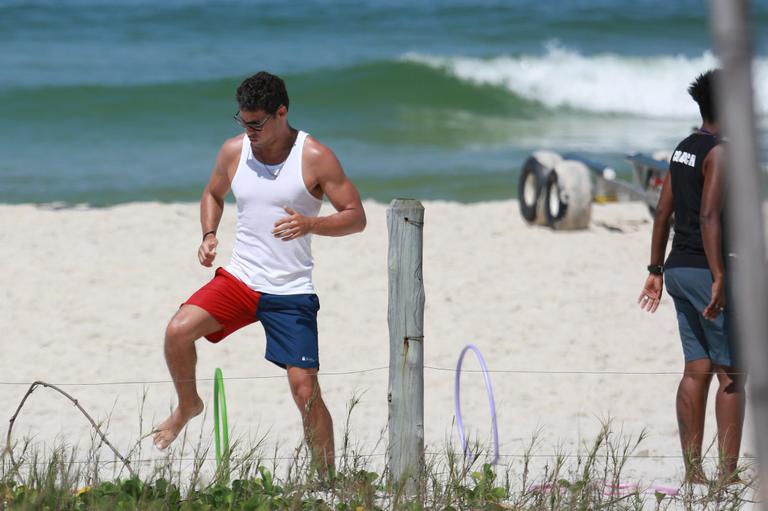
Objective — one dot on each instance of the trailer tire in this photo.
(568, 196)
(531, 185)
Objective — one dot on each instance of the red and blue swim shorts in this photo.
(289, 321)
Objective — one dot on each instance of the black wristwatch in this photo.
(655, 269)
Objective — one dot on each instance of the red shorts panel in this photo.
(229, 301)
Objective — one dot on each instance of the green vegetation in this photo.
(56, 480)
(32, 478)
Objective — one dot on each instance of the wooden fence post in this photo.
(731, 26)
(405, 221)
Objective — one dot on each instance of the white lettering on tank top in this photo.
(684, 158)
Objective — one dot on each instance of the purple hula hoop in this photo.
(491, 402)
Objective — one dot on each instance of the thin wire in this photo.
(153, 382)
(635, 456)
(543, 371)
(381, 454)
(414, 222)
(374, 369)
(174, 460)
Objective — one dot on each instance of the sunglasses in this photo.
(253, 125)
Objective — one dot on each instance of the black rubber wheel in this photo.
(533, 178)
(554, 207)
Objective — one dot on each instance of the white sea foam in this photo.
(648, 86)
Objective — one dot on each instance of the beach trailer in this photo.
(558, 190)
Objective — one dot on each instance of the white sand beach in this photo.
(87, 293)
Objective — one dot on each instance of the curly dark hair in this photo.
(702, 90)
(262, 91)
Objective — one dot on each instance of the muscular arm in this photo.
(650, 297)
(711, 230)
(664, 210)
(212, 200)
(711, 208)
(350, 215)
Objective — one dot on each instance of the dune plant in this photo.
(66, 477)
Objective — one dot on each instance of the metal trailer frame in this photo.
(648, 175)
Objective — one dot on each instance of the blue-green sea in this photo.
(109, 101)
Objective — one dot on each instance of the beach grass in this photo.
(66, 477)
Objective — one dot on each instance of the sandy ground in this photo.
(86, 295)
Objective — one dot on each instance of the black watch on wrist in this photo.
(655, 269)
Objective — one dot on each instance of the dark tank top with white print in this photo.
(687, 180)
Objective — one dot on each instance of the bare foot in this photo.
(696, 478)
(169, 429)
(732, 479)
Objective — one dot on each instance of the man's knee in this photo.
(702, 380)
(189, 324)
(731, 380)
(698, 371)
(181, 329)
(305, 391)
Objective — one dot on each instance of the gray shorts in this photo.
(691, 289)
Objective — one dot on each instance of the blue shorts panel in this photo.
(691, 290)
(290, 324)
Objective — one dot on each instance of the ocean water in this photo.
(108, 101)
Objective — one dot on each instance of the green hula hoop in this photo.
(220, 401)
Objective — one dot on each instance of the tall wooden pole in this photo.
(405, 220)
(730, 23)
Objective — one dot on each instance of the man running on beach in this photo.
(278, 176)
(695, 271)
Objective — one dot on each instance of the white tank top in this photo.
(265, 263)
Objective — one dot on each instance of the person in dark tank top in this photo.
(696, 280)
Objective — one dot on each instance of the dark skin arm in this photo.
(711, 228)
(651, 295)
